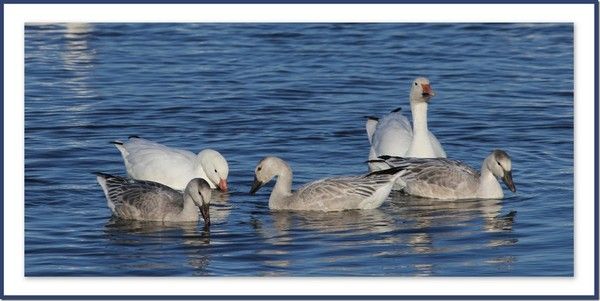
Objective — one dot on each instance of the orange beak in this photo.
(427, 90)
(223, 185)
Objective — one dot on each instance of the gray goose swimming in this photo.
(329, 194)
(150, 201)
(451, 179)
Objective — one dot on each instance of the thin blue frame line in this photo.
(418, 297)
(596, 96)
(2, 152)
(299, 297)
(297, 2)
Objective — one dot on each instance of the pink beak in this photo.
(223, 185)
(427, 89)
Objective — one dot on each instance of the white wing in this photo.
(437, 146)
(371, 125)
(147, 160)
(393, 135)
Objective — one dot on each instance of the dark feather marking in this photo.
(387, 157)
(397, 110)
(389, 171)
(104, 175)
(364, 191)
(372, 118)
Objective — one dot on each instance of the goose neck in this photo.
(189, 207)
(419, 115)
(283, 186)
(489, 187)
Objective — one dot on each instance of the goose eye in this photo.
(416, 84)
(498, 163)
(259, 168)
(215, 170)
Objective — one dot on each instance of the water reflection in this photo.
(78, 59)
(437, 227)
(349, 222)
(78, 56)
(427, 213)
(220, 207)
(152, 239)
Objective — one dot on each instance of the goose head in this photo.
(199, 191)
(420, 90)
(215, 167)
(266, 170)
(499, 163)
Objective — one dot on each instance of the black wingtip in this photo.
(372, 118)
(101, 174)
(389, 171)
(134, 136)
(116, 142)
(396, 110)
(109, 176)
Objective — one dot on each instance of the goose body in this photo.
(329, 194)
(151, 161)
(442, 178)
(131, 199)
(393, 134)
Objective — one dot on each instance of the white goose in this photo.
(393, 135)
(151, 161)
(450, 179)
(329, 194)
(150, 201)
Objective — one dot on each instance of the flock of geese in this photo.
(168, 184)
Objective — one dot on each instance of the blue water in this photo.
(298, 91)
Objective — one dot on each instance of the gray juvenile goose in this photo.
(151, 201)
(441, 178)
(329, 194)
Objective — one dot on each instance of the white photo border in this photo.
(580, 15)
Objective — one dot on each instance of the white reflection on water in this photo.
(79, 60)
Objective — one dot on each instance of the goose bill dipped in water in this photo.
(131, 199)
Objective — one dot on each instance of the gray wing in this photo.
(441, 172)
(339, 193)
(145, 199)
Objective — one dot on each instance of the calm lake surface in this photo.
(298, 91)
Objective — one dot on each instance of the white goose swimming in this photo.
(393, 135)
(441, 178)
(329, 194)
(150, 201)
(151, 161)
